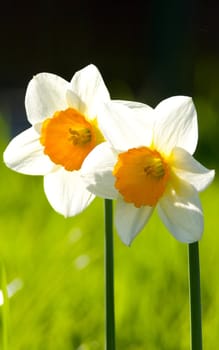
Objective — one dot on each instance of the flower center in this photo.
(68, 138)
(141, 176)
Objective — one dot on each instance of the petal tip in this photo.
(127, 242)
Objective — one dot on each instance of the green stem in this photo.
(109, 277)
(195, 297)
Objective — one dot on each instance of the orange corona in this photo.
(141, 176)
(68, 138)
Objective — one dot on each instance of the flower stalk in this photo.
(195, 297)
(109, 277)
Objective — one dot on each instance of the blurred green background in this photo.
(146, 51)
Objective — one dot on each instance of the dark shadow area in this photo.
(145, 50)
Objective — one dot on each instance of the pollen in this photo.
(68, 138)
(141, 176)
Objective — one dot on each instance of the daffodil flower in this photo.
(147, 163)
(64, 119)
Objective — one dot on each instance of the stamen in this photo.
(155, 169)
(80, 137)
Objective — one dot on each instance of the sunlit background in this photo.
(146, 51)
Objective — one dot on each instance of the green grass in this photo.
(59, 263)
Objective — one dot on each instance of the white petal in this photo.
(88, 84)
(75, 102)
(135, 105)
(66, 192)
(96, 171)
(124, 127)
(176, 124)
(130, 220)
(187, 168)
(24, 154)
(181, 212)
(46, 94)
